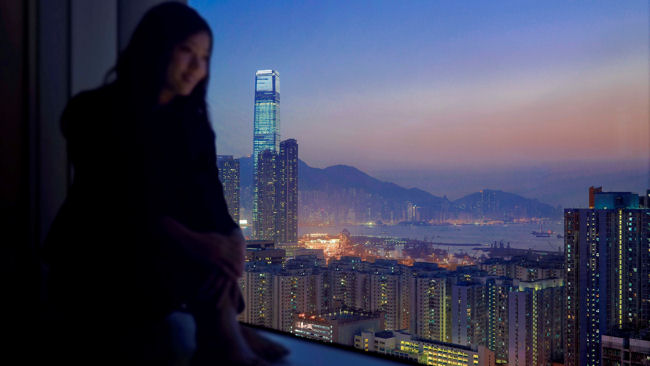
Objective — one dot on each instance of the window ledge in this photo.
(306, 352)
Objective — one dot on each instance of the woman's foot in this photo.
(231, 348)
(267, 349)
(221, 340)
(229, 359)
(247, 361)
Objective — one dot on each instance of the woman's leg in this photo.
(260, 345)
(219, 335)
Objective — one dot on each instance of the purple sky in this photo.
(433, 86)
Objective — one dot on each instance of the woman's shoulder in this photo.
(102, 96)
(89, 106)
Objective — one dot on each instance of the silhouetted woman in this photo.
(144, 231)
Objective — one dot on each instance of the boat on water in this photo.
(541, 233)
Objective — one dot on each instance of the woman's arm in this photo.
(225, 251)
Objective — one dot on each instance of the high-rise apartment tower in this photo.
(287, 165)
(607, 260)
(266, 221)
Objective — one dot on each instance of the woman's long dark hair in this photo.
(141, 68)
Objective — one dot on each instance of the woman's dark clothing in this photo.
(112, 267)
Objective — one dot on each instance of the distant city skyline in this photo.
(586, 305)
(443, 86)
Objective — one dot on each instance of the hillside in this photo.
(344, 194)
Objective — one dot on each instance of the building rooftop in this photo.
(384, 334)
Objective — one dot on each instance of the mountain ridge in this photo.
(342, 193)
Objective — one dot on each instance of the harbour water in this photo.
(518, 235)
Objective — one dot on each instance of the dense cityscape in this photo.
(586, 304)
(445, 183)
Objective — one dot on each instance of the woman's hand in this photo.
(227, 252)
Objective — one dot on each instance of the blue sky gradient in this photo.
(438, 85)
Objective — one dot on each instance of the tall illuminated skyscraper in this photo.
(607, 257)
(287, 165)
(266, 131)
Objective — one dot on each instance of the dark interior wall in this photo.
(20, 275)
(14, 164)
(94, 42)
(12, 147)
(53, 90)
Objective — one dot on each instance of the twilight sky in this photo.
(389, 86)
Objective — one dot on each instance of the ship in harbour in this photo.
(541, 233)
